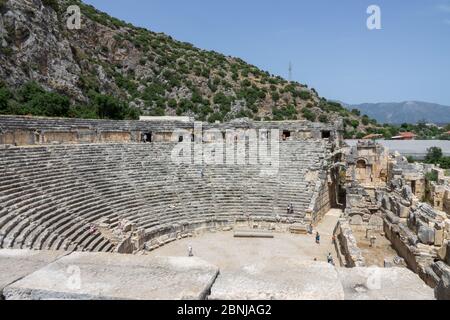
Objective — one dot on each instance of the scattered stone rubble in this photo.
(419, 231)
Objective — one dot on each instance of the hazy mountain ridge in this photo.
(405, 112)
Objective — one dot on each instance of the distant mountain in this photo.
(405, 112)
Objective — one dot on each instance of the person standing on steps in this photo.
(317, 238)
(190, 251)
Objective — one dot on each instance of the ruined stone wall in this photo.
(348, 245)
(50, 137)
(446, 202)
(368, 164)
(418, 232)
(323, 198)
(22, 130)
(117, 137)
(18, 137)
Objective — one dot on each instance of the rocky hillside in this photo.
(150, 72)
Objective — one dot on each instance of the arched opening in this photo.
(361, 164)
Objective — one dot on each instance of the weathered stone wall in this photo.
(446, 202)
(368, 164)
(118, 137)
(18, 137)
(50, 137)
(321, 201)
(417, 231)
(22, 130)
(348, 245)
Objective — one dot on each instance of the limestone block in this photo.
(426, 235)
(16, 264)
(385, 202)
(116, 276)
(403, 211)
(442, 252)
(383, 284)
(376, 221)
(438, 235)
(301, 280)
(447, 225)
(356, 220)
(442, 290)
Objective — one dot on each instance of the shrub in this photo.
(305, 95)
(109, 107)
(308, 114)
(215, 117)
(410, 159)
(431, 176)
(354, 123)
(83, 112)
(275, 96)
(50, 3)
(365, 120)
(246, 83)
(434, 154)
(172, 103)
(221, 99)
(49, 104)
(5, 95)
(196, 97)
(323, 118)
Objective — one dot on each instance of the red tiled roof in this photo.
(408, 135)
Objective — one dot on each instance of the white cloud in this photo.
(444, 7)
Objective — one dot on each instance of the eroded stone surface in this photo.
(113, 276)
(301, 280)
(16, 264)
(383, 284)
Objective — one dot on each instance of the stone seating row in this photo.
(49, 196)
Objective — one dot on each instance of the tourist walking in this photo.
(330, 259)
(317, 238)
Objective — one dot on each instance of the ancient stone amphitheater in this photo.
(87, 209)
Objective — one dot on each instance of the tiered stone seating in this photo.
(49, 196)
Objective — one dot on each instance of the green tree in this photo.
(365, 120)
(355, 123)
(323, 118)
(434, 155)
(109, 107)
(5, 95)
(308, 114)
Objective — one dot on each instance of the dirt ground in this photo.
(382, 250)
(231, 254)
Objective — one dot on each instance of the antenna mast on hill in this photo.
(290, 71)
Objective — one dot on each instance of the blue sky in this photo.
(327, 41)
